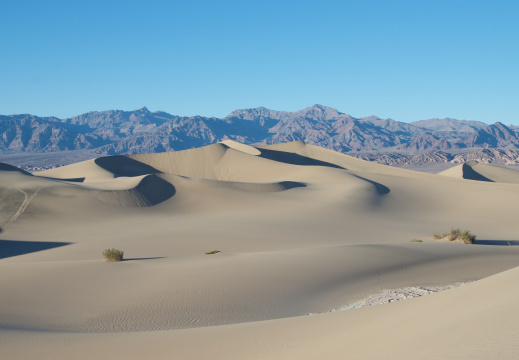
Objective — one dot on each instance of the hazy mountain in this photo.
(116, 132)
(449, 127)
(140, 131)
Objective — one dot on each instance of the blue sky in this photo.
(406, 60)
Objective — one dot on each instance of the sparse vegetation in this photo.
(212, 252)
(437, 236)
(416, 240)
(113, 255)
(456, 235)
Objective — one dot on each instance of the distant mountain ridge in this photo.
(128, 132)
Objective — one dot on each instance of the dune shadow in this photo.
(151, 190)
(10, 248)
(294, 159)
(381, 189)
(470, 174)
(148, 258)
(287, 185)
(7, 167)
(76, 180)
(121, 165)
(156, 190)
(497, 242)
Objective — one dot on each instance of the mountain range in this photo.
(141, 131)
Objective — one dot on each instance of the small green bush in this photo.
(415, 240)
(456, 235)
(113, 255)
(212, 252)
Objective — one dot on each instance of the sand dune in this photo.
(472, 170)
(301, 230)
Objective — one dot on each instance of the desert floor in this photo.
(301, 230)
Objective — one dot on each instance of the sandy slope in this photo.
(301, 229)
(472, 170)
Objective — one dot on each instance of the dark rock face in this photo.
(494, 136)
(125, 132)
(427, 142)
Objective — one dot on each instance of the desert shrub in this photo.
(453, 234)
(212, 252)
(415, 240)
(467, 237)
(456, 235)
(113, 255)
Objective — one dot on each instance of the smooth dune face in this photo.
(301, 230)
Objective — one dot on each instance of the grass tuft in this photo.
(456, 235)
(113, 255)
(212, 252)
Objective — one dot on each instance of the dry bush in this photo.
(113, 255)
(456, 235)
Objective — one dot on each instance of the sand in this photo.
(472, 170)
(301, 230)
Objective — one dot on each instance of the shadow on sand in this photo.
(381, 189)
(121, 165)
(10, 248)
(470, 174)
(497, 242)
(294, 159)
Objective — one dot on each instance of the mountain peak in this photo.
(499, 125)
(144, 109)
(318, 107)
(319, 112)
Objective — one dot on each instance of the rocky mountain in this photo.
(427, 142)
(120, 132)
(117, 132)
(494, 136)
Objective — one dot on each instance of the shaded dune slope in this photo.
(472, 170)
(7, 167)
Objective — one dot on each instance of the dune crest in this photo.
(251, 150)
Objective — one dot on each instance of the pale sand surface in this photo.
(301, 229)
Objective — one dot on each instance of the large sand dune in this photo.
(301, 230)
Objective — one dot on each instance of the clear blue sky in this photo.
(407, 60)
